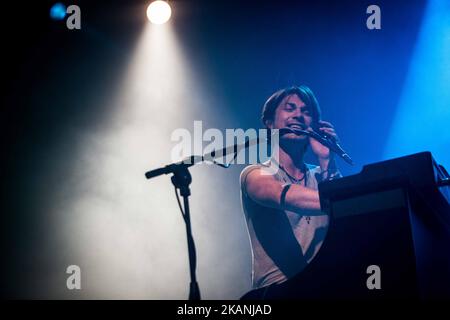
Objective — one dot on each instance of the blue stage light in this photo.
(58, 11)
(423, 115)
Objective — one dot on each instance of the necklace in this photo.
(296, 181)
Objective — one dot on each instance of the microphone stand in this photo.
(181, 180)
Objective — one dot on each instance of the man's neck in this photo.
(291, 158)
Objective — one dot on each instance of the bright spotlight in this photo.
(58, 11)
(159, 12)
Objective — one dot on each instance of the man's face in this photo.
(292, 113)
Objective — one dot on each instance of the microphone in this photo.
(323, 139)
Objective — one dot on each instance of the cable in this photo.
(179, 204)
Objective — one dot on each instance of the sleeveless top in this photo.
(282, 242)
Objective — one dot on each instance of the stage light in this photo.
(159, 12)
(104, 218)
(58, 11)
(423, 114)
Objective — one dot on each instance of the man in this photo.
(280, 197)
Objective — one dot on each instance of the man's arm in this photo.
(267, 191)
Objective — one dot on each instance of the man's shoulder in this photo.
(257, 166)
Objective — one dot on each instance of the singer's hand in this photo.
(322, 152)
